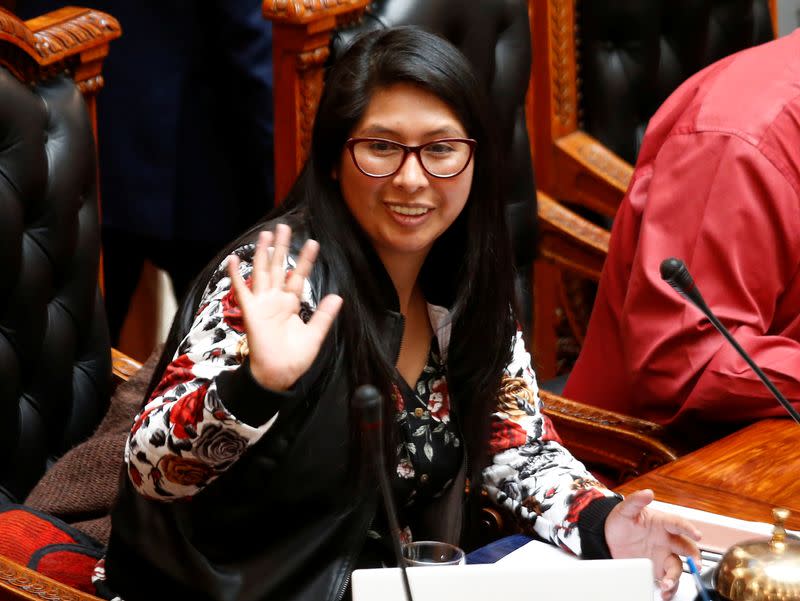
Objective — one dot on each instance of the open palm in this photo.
(634, 530)
(282, 347)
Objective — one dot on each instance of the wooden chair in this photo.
(57, 370)
(600, 70)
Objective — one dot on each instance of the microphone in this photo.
(369, 403)
(675, 273)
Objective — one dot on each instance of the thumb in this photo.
(635, 502)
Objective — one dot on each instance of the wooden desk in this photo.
(743, 475)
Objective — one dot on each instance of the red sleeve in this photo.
(716, 201)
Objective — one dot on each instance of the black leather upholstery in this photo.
(495, 37)
(634, 53)
(55, 364)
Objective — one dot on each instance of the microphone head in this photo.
(670, 267)
(368, 401)
(675, 273)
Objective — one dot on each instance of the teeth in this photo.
(409, 210)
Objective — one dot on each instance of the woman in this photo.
(244, 476)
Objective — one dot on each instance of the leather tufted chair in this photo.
(54, 349)
(54, 352)
(56, 363)
(634, 54)
(600, 69)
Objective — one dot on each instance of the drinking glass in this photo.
(432, 553)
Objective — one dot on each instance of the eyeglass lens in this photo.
(439, 158)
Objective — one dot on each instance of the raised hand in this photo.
(281, 346)
(633, 529)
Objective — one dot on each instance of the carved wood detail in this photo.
(302, 11)
(554, 215)
(12, 28)
(72, 40)
(79, 32)
(627, 445)
(27, 584)
(91, 85)
(598, 157)
(563, 87)
(309, 68)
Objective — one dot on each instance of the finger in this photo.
(283, 235)
(681, 545)
(237, 283)
(260, 277)
(322, 319)
(668, 588)
(672, 568)
(302, 270)
(680, 526)
(635, 502)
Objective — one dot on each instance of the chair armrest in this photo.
(569, 240)
(592, 174)
(623, 447)
(627, 446)
(79, 36)
(19, 582)
(122, 366)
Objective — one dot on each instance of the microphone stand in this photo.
(676, 274)
(369, 402)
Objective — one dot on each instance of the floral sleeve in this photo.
(532, 474)
(188, 433)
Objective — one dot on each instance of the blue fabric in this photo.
(498, 549)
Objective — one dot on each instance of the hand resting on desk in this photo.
(633, 529)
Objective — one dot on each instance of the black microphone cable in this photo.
(369, 403)
(676, 274)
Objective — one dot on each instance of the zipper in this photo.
(346, 581)
(347, 565)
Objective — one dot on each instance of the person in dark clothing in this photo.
(387, 264)
(185, 136)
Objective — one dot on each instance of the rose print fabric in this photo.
(184, 438)
(429, 449)
(532, 474)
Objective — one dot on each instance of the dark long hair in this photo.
(469, 268)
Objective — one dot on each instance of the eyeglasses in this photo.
(377, 157)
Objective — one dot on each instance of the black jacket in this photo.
(287, 520)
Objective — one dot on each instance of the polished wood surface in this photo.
(743, 475)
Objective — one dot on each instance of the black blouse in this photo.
(429, 454)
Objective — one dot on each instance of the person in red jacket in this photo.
(717, 184)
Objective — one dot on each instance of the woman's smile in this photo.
(409, 215)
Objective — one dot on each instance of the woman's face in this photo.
(404, 213)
